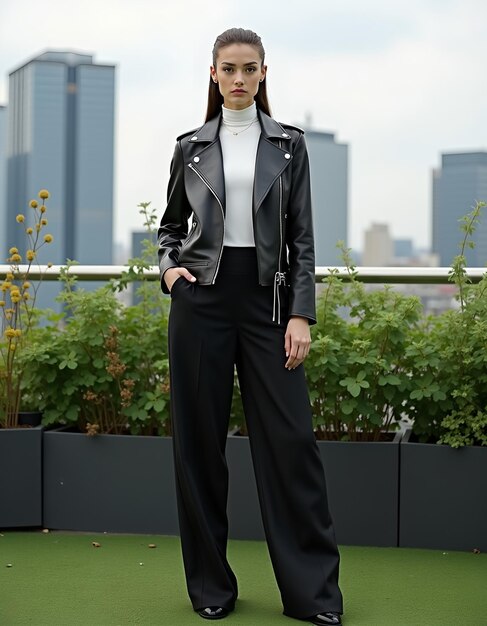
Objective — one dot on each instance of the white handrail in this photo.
(412, 275)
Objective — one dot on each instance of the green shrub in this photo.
(358, 376)
(103, 367)
(448, 360)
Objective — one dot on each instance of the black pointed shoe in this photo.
(213, 612)
(326, 619)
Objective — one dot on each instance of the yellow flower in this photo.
(29, 230)
(10, 333)
(9, 276)
(20, 218)
(49, 264)
(48, 238)
(13, 251)
(5, 285)
(16, 258)
(33, 204)
(38, 227)
(2, 302)
(42, 209)
(15, 297)
(18, 332)
(44, 221)
(44, 194)
(12, 347)
(26, 285)
(30, 255)
(26, 295)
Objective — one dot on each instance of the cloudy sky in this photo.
(399, 81)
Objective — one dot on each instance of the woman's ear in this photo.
(213, 74)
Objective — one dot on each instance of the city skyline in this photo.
(399, 83)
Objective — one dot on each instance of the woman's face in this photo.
(238, 72)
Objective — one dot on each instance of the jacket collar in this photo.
(271, 159)
(209, 132)
(270, 128)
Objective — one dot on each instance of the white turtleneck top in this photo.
(239, 152)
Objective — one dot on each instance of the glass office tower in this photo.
(61, 137)
(329, 191)
(461, 180)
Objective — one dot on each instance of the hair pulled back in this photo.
(228, 37)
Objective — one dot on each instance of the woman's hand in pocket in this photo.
(173, 273)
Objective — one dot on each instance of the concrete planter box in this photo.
(113, 483)
(362, 480)
(122, 483)
(362, 483)
(443, 503)
(21, 477)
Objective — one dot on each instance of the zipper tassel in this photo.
(279, 279)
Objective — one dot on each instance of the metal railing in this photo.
(411, 275)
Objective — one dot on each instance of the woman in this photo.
(242, 284)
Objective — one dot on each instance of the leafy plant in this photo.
(75, 367)
(17, 310)
(143, 343)
(449, 360)
(105, 364)
(357, 373)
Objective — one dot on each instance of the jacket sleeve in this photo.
(300, 238)
(173, 227)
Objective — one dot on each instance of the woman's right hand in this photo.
(173, 273)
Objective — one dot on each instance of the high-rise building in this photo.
(461, 180)
(378, 246)
(329, 191)
(3, 182)
(61, 137)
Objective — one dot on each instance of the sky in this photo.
(399, 81)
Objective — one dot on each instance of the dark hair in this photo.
(230, 36)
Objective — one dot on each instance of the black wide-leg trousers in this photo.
(211, 329)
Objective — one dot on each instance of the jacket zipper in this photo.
(279, 277)
(223, 216)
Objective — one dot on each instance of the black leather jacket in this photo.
(281, 211)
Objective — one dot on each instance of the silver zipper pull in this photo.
(279, 279)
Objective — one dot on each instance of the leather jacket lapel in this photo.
(270, 162)
(271, 159)
(210, 167)
(207, 160)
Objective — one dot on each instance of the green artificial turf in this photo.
(60, 579)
